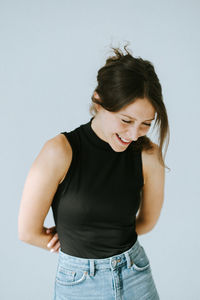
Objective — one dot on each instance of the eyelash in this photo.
(130, 122)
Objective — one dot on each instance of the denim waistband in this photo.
(90, 265)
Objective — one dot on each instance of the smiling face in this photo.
(130, 123)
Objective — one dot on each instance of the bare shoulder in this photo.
(58, 146)
(59, 143)
(58, 150)
(150, 160)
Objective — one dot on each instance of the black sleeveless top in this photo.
(95, 206)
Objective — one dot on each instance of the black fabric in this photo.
(95, 206)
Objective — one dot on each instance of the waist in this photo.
(67, 260)
(90, 242)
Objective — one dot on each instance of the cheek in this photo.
(119, 129)
(115, 127)
(144, 131)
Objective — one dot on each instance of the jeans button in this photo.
(114, 263)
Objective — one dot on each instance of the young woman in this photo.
(105, 183)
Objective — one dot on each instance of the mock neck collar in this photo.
(96, 140)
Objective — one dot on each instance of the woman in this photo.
(105, 183)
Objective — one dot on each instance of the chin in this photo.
(116, 149)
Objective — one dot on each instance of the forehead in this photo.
(139, 109)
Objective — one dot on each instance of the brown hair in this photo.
(121, 81)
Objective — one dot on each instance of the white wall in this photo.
(49, 57)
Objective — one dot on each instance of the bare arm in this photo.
(45, 174)
(152, 192)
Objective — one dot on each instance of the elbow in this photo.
(23, 234)
(144, 226)
(24, 237)
(152, 224)
(29, 236)
(25, 231)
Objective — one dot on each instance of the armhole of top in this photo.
(70, 139)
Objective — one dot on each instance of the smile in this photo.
(122, 140)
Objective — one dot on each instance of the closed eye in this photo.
(126, 121)
(147, 124)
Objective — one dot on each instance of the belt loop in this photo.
(92, 267)
(128, 259)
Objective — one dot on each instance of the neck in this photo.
(96, 128)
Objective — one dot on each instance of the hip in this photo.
(123, 276)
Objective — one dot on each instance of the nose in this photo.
(133, 133)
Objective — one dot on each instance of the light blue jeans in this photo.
(126, 276)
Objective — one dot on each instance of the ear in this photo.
(96, 96)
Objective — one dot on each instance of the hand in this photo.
(54, 243)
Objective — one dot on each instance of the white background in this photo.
(50, 53)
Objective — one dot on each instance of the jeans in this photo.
(126, 276)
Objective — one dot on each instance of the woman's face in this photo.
(130, 123)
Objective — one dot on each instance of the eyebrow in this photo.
(136, 119)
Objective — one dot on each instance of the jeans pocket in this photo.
(68, 276)
(141, 261)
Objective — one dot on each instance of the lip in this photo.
(124, 143)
